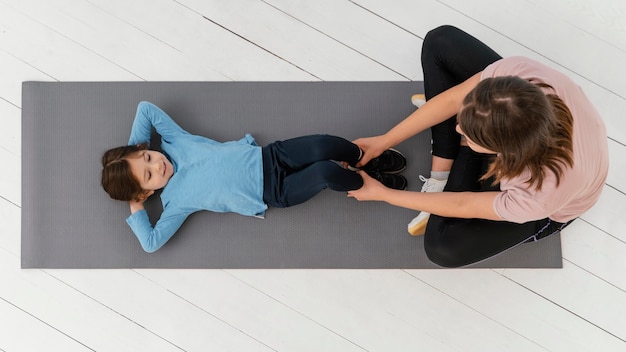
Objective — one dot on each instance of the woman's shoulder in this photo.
(520, 66)
(526, 68)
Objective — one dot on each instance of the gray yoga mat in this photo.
(68, 221)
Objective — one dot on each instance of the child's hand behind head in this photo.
(137, 204)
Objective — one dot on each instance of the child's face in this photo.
(151, 169)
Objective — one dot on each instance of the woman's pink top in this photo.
(580, 186)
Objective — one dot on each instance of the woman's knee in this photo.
(442, 244)
(437, 36)
(442, 254)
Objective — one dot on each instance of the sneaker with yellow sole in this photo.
(417, 226)
(418, 100)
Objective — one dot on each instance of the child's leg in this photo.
(300, 168)
(300, 186)
(297, 153)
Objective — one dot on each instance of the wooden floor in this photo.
(581, 307)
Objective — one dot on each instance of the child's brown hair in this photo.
(117, 178)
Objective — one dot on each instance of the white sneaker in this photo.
(417, 226)
(418, 100)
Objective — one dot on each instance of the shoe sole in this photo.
(418, 100)
(419, 228)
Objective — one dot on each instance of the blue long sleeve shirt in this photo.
(208, 175)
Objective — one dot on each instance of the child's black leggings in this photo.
(449, 57)
(297, 169)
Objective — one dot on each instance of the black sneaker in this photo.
(390, 161)
(393, 181)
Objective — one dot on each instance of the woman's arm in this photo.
(436, 110)
(447, 204)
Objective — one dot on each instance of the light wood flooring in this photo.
(581, 307)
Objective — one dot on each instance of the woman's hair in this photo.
(117, 178)
(528, 128)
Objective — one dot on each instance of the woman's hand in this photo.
(137, 205)
(371, 190)
(371, 147)
(465, 205)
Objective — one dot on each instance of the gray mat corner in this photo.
(69, 222)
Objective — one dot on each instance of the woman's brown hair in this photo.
(117, 178)
(529, 129)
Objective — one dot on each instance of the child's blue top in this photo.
(208, 175)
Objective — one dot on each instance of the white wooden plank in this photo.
(21, 332)
(420, 16)
(9, 227)
(537, 30)
(385, 310)
(52, 53)
(138, 53)
(291, 40)
(617, 166)
(13, 72)
(72, 313)
(608, 215)
(596, 252)
(159, 310)
(201, 41)
(11, 131)
(36, 45)
(365, 32)
(10, 177)
(520, 310)
(579, 292)
(604, 19)
(253, 312)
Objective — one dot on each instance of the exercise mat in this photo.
(68, 221)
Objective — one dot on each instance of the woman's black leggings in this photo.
(449, 57)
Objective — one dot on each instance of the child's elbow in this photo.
(150, 247)
(144, 105)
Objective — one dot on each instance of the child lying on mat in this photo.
(197, 173)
